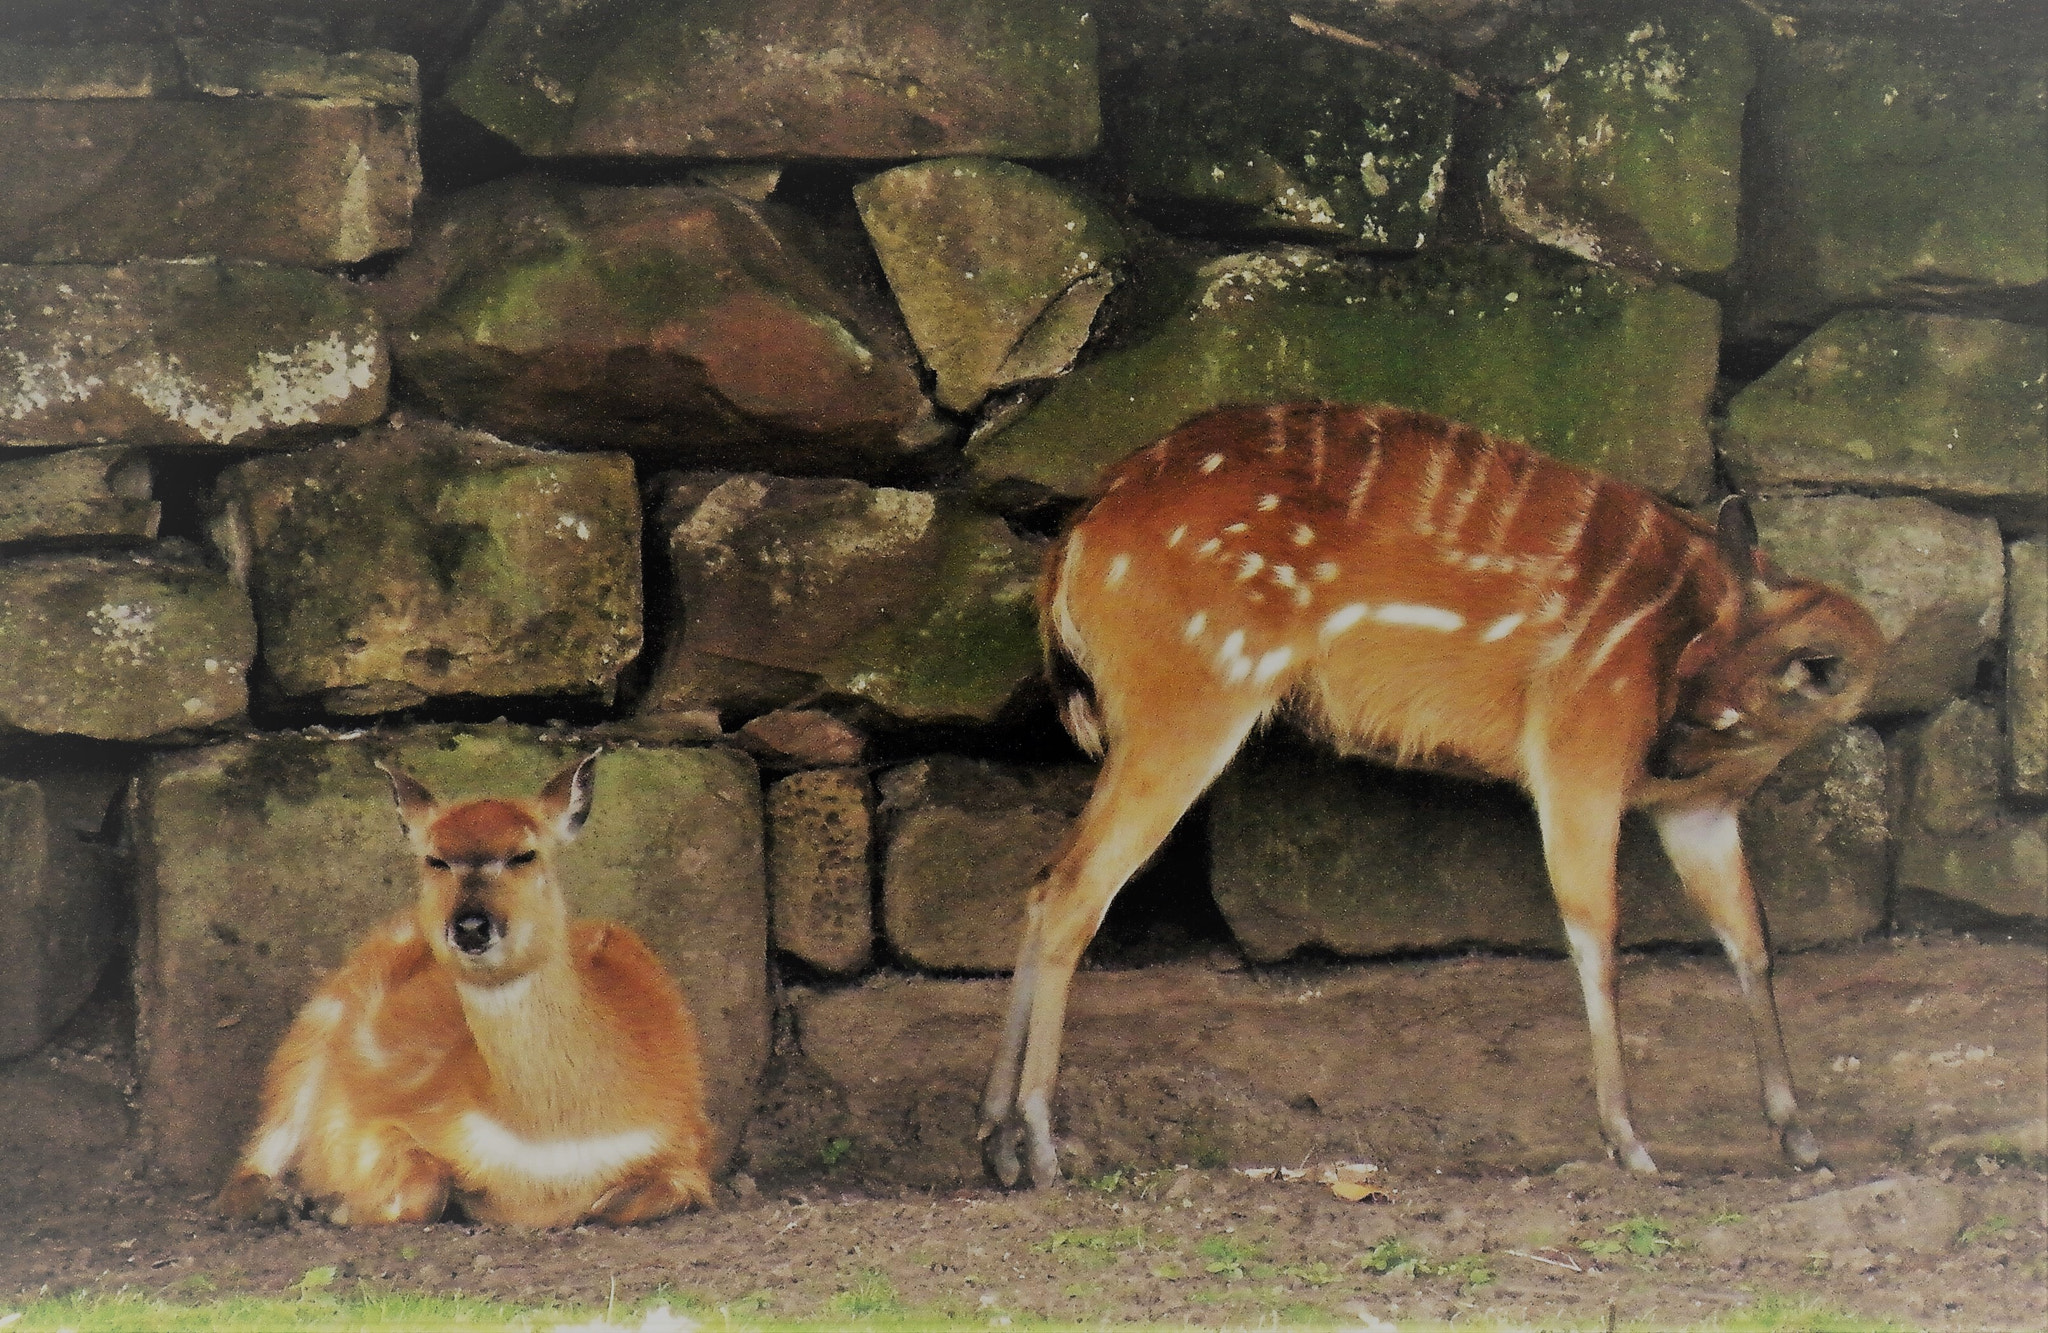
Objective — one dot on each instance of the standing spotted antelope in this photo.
(481, 1049)
(1420, 592)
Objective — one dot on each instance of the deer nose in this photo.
(472, 931)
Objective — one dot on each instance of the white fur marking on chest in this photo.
(494, 1148)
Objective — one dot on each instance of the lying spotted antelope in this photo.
(1420, 592)
(481, 1049)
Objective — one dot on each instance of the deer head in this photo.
(488, 905)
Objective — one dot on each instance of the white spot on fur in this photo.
(1232, 647)
(1303, 534)
(1725, 719)
(1238, 529)
(323, 1011)
(1284, 575)
(1248, 564)
(1210, 547)
(1271, 665)
(1326, 571)
(1173, 538)
(1420, 617)
(1212, 462)
(1343, 618)
(1268, 503)
(1197, 622)
(495, 1149)
(1117, 569)
(1503, 627)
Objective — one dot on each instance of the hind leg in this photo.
(1148, 783)
(653, 1191)
(380, 1174)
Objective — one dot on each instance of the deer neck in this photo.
(538, 1036)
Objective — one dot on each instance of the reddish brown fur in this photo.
(1422, 592)
(553, 1078)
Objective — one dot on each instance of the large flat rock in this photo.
(786, 78)
(1308, 850)
(1588, 364)
(184, 354)
(262, 863)
(420, 561)
(296, 157)
(98, 496)
(121, 646)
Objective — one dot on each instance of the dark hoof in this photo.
(1000, 1145)
(1801, 1149)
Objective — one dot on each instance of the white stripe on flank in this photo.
(1501, 628)
(1276, 428)
(1583, 619)
(1425, 499)
(1117, 569)
(1272, 664)
(1461, 504)
(495, 1148)
(1319, 442)
(1575, 532)
(1626, 625)
(1363, 486)
(1197, 622)
(1421, 617)
(1344, 618)
(1504, 513)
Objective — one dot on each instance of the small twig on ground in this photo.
(1464, 84)
(1566, 1262)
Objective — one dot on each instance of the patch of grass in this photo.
(134, 1312)
(1394, 1257)
(1988, 1229)
(1778, 1314)
(1094, 1247)
(835, 1151)
(871, 1294)
(1226, 1256)
(1317, 1274)
(1644, 1237)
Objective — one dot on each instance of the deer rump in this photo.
(1423, 593)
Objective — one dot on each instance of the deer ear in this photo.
(565, 801)
(415, 803)
(1735, 535)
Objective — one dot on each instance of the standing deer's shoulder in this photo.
(483, 1050)
(1420, 591)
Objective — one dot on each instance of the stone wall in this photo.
(703, 379)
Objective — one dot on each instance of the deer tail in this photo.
(1066, 652)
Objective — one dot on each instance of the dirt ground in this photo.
(1924, 1064)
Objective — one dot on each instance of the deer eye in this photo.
(1819, 675)
(437, 863)
(524, 858)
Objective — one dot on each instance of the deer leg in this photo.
(653, 1191)
(1705, 845)
(1147, 784)
(390, 1178)
(1581, 824)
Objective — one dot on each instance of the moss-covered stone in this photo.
(2026, 669)
(422, 561)
(998, 270)
(186, 354)
(1287, 134)
(1933, 579)
(61, 892)
(1958, 840)
(1592, 366)
(77, 495)
(71, 73)
(289, 180)
(123, 647)
(271, 69)
(786, 78)
(1309, 849)
(1894, 401)
(1894, 165)
(264, 862)
(965, 839)
(681, 320)
(1629, 149)
(904, 599)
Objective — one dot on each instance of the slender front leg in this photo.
(1705, 844)
(1581, 821)
(1000, 1132)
